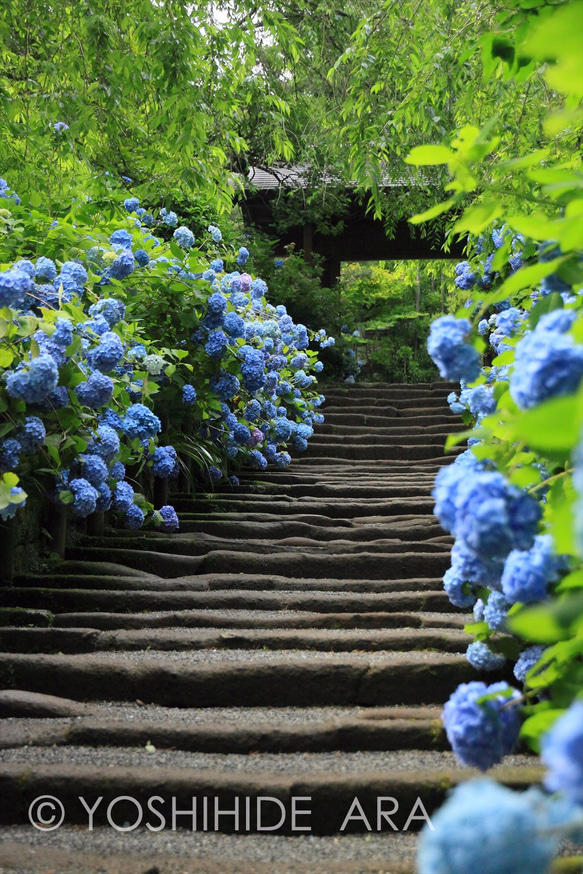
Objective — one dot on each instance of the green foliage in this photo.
(538, 193)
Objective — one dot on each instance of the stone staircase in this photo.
(291, 643)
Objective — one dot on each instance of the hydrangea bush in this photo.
(127, 344)
(514, 499)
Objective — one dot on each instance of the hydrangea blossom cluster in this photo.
(448, 348)
(481, 734)
(486, 827)
(268, 376)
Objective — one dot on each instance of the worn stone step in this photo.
(414, 528)
(87, 600)
(328, 797)
(241, 618)
(197, 544)
(419, 402)
(412, 418)
(385, 450)
(218, 582)
(379, 437)
(74, 850)
(219, 730)
(373, 565)
(241, 677)
(77, 640)
(300, 508)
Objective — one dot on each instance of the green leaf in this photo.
(433, 211)
(428, 155)
(538, 427)
(478, 217)
(537, 725)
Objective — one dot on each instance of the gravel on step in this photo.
(270, 763)
(250, 656)
(273, 851)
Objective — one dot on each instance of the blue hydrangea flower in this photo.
(548, 364)
(117, 471)
(234, 480)
(562, 753)
(141, 257)
(481, 657)
(217, 303)
(105, 444)
(94, 469)
(121, 238)
(85, 497)
(45, 269)
(234, 325)
(217, 344)
(124, 265)
(131, 204)
(527, 660)
(225, 385)
(241, 433)
(215, 473)
(134, 518)
(169, 518)
(169, 218)
(258, 289)
(484, 827)
(33, 381)
(506, 324)
(217, 265)
(165, 462)
(527, 573)
(465, 277)
(282, 459)
(480, 400)
(96, 392)
(257, 459)
(242, 256)
(10, 450)
(105, 498)
(31, 435)
(188, 395)
(140, 423)
(481, 734)
(215, 233)
(16, 500)
(446, 345)
(252, 368)
(492, 516)
(184, 237)
(76, 271)
(60, 127)
(14, 286)
(123, 496)
(107, 354)
(495, 611)
(112, 310)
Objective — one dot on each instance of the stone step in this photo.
(377, 451)
(242, 678)
(419, 402)
(197, 544)
(345, 565)
(217, 582)
(216, 730)
(332, 508)
(247, 619)
(75, 850)
(405, 419)
(77, 640)
(378, 437)
(87, 600)
(415, 528)
(327, 796)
